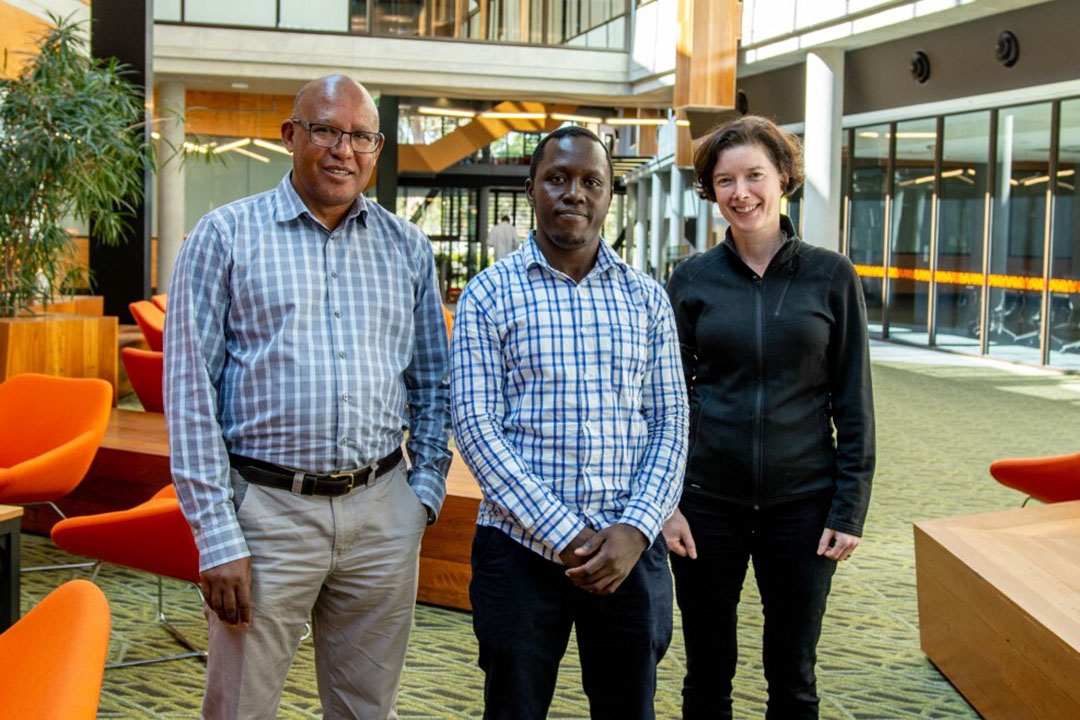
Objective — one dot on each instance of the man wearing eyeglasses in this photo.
(304, 332)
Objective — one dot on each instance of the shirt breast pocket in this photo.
(624, 354)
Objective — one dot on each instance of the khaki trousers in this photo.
(350, 564)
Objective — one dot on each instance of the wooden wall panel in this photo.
(706, 57)
(237, 114)
(706, 53)
(18, 30)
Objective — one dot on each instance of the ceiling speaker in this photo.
(1007, 50)
(920, 67)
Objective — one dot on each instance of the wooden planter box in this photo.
(59, 344)
(74, 305)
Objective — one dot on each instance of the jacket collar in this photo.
(785, 255)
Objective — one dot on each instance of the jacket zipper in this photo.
(759, 394)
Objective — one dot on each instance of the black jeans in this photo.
(793, 582)
(523, 609)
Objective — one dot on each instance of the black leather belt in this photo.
(332, 484)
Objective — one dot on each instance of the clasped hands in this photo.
(599, 561)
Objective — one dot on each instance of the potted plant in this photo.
(72, 144)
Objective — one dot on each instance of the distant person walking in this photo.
(503, 238)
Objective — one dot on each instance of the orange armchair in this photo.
(50, 430)
(160, 301)
(144, 369)
(151, 322)
(54, 657)
(1049, 479)
(153, 537)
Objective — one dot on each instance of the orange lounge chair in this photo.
(151, 322)
(144, 369)
(1048, 479)
(153, 537)
(54, 657)
(50, 430)
(160, 301)
(449, 317)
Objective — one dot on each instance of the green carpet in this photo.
(939, 427)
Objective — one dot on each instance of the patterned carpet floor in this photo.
(941, 421)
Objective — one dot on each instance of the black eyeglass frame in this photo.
(363, 134)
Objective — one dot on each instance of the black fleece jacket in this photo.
(773, 364)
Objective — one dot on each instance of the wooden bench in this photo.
(133, 463)
(999, 608)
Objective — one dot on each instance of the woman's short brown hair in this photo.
(784, 150)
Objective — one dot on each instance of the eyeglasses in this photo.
(328, 136)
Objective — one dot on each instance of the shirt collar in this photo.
(290, 206)
(606, 258)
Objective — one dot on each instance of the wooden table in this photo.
(10, 547)
(130, 466)
(444, 552)
(133, 463)
(999, 608)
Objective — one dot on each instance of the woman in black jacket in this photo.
(775, 351)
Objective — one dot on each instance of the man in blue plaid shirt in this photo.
(304, 332)
(569, 407)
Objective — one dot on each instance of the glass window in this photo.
(328, 15)
(866, 246)
(1017, 238)
(448, 217)
(239, 12)
(964, 176)
(230, 176)
(1065, 269)
(913, 203)
(167, 10)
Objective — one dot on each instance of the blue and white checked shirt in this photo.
(568, 399)
(291, 344)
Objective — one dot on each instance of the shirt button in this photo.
(345, 396)
(344, 441)
(337, 313)
(341, 354)
(333, 273)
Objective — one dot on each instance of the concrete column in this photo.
(386, 178)
(824, 113)
(704, 225)
(641, 225)
(656, 223)
(170, 179)
(676, 223)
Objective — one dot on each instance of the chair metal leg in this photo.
(195, 651)
(64, 566)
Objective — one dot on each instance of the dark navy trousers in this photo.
(793, 582)
(523, 610)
